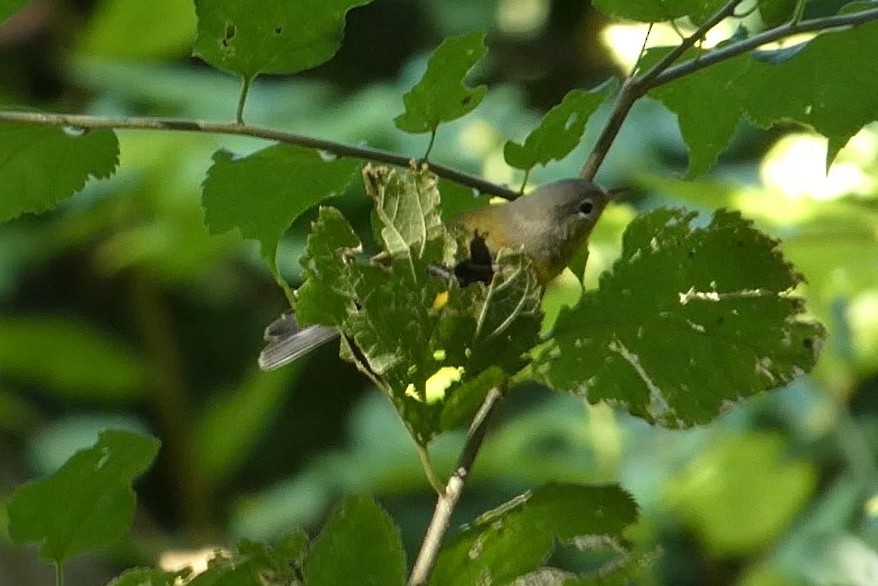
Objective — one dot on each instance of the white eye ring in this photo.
(586, 207)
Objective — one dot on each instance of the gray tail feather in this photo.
(286, 342)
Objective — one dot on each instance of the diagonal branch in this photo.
(633, 89)
(212, 127)
(665, 71)
(453, 489)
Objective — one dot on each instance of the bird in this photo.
(549, 225)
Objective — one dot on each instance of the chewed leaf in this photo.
(441, 95)
(518, 536)
(262, 193)
(407, 207)
(688, 320)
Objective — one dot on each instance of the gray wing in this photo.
(286, 342)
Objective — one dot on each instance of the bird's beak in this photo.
(617, 193)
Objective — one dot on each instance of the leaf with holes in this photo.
(517, 537)
(279, 37)
(559, 130)
(441, 95)
(689, 320)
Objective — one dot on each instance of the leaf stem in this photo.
(427, 465)
(242, 99)
(59, 573)
(449, 497)
(430, 146)
(233, 128)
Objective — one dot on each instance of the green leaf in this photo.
(10, 7)
(706, 130)
(811, 84)
(722, 493)
(652, 10)
(776, 12)
(517, 537)
(441, 95)
(688, 320)
(250, 564)
(86, 504)
(41, 167)
(559, 130)
(326, 295)
(262, 193)
(70, 358)
(164, 30)
(407, 209)
(278, 37)
(401, 322)
(808, 83)
(358, 545)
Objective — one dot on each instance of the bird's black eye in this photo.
(586, 207)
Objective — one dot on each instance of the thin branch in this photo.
(756, 41)
(665, 71)
(634, 87)
(453, 489)
(213, 127)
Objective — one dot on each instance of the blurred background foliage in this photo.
(118, 309)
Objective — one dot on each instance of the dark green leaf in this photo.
(358, 545)
(559, 130)
(517, 537)
(88, 502)
(327, 293)
(75, 359)
(706, 130)
(280, 37)
(687, 321)
(776, 12)
(441, 95)
(41, 167)
(814, 85)
(807, 83)
(262, 193)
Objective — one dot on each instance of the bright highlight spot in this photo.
(522, 18)
(796, 167)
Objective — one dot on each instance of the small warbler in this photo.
(550, 225)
